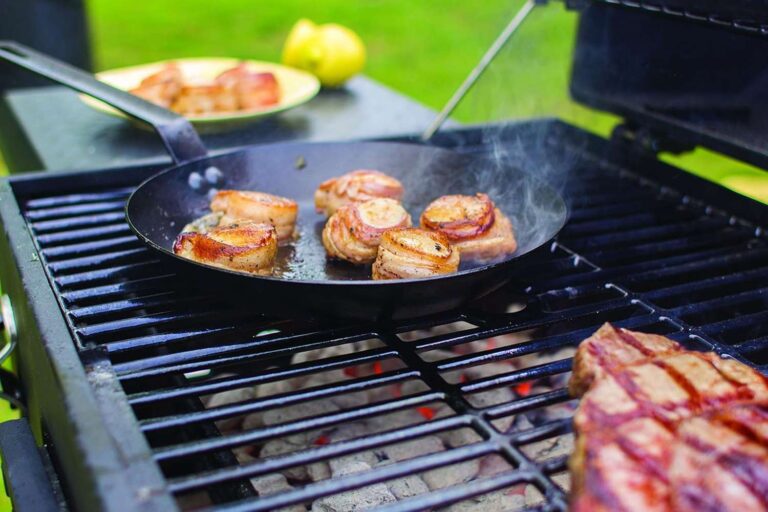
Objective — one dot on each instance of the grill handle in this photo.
(26, 480)
(179, 137)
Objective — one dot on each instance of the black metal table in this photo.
(51, 129)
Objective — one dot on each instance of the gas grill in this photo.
(149, 394)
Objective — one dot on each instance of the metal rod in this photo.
(478, 70)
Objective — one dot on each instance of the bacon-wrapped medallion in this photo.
(407, 253)
(161, 87)
(258, 207)
(252, 89)
(245, 246)
(355, 187)
(354, 232)
(204, 99)
(473, 224)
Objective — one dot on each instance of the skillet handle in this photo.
(179, 138)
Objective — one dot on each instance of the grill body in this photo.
(117, 355)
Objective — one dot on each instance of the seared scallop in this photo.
(473, 224)
(354, 232)
(278, 211)
(355, 187)
(406, 253)
(245, 246)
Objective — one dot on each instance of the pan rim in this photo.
(337, 282)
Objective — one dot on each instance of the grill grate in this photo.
(487, 381)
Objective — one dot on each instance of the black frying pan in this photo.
(304, 280)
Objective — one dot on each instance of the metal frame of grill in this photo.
(742, 15)
(125, 426)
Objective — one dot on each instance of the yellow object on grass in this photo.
(332, 52)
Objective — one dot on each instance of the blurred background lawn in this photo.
(421, 48)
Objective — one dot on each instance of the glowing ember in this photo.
(427, 412)
(524, 388)
(377, 368)
(321, 441)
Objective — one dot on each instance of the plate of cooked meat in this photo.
(213, 92)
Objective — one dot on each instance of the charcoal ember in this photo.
(456, 438)
(232, 396)
(283, 446)
(364, 498)
(560, 446)
(349, 431)
(497, 501)
(555, 411)
(253, 421)
(532, 496)
(319, 471)
(407, 486)
(492, 465)
(493, 397)
(244, 454)
(339, 465)
(411, 387)
(344, 401)
(394, 420)
(522, 422)
(288, 414)
(415, 448)
(383, 393)
(349, 401)
(269, 389)
(326, 352)
(437, 355)
(454, 474)
(273, 484)
(563, 480)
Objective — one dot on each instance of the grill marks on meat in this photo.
(661, 428)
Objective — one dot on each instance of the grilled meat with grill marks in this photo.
(661, 428)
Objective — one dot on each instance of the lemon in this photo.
(332, 52)
(297, 37)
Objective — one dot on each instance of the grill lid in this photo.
(687, 83)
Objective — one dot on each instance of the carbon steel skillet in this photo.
(305, 282)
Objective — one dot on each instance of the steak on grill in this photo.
(661, 428)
